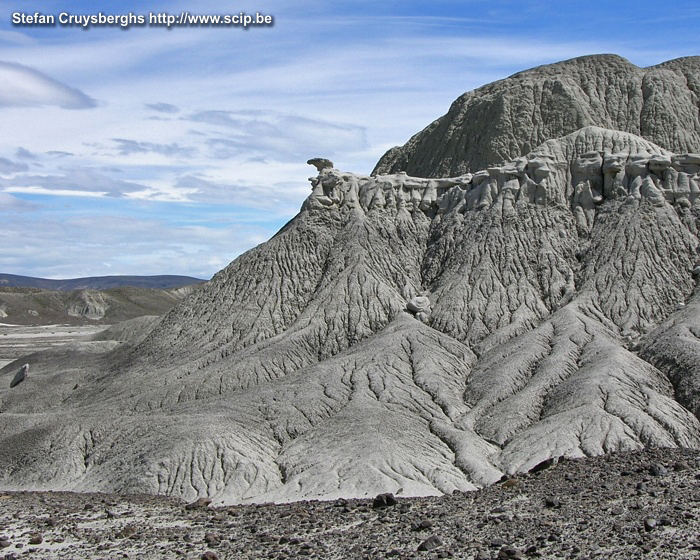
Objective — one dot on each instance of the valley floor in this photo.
(20, 340)
(622, 506)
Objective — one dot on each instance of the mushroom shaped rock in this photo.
(321, 163)
(690, 163)
(21, 375)
(418, 304)
(479, 177)
(515, 168)
(420, 307)
(538, 167)
(613, 175)
(636, 171)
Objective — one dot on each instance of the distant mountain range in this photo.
(163, 282)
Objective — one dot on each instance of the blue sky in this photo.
(155, 151)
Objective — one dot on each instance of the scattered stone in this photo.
(552, 502)
(384, 500)
(658, 470)
(20, 376)
(431, 543)
(199, 504)
(212, 539)
(421, 525)
(547, 463)
(509, 552)
(608, 520)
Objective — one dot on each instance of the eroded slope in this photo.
(400, 333)
(510, 117)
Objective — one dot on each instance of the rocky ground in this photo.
(624, 506)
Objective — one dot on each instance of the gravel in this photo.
(604, 507)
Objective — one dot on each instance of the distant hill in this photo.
(163, 282)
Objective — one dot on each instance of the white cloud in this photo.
(277, 137)
(21, 86)
(12, 204)
(15, 38)
(79, 181)
(9, 167)
(162, 107)
(116, 243)
(172, 150)
(23, 153)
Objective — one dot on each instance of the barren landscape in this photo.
(620, 506)
(19, 340)
(507, 342)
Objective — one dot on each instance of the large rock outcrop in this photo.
(508, 118)
(401, 333)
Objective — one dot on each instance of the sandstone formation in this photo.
(510, 117)
(401, 335)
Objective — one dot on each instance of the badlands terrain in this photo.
(515, 285)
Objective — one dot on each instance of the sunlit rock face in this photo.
(509, 118)
(400, 333)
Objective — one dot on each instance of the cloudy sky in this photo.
(171, 151)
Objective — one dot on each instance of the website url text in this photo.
(153, 19)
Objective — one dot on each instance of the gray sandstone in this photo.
(408, 335)
(508, 118)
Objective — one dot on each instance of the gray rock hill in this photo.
(508, 118)
(400, 334)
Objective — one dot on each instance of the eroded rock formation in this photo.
(508, 118)
(423, 334)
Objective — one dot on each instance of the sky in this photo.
(154, 150)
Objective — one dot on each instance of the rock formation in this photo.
(21, 375)
(510, 117)
(422, 334)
